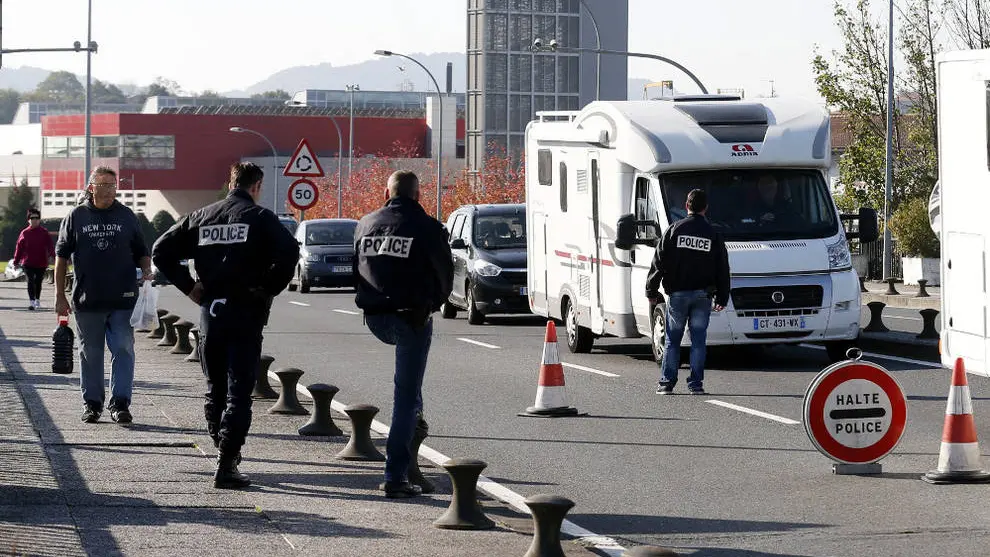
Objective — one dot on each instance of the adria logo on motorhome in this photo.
(744, 150)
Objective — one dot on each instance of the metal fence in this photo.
(874, 257)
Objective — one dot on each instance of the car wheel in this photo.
(303, 284)
(837, 349)
(659, 336)
(294, 283)
(475, 317)
(447, 310)
(579, 339)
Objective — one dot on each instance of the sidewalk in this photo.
(71, 488)
(905, 299)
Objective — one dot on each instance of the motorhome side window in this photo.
(646, 209)
(544, 167)
(563, 187)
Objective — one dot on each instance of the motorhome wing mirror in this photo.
(458, 243)
(869, 229)
(625, 232)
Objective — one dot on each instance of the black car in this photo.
(488, 243)
(326, 254)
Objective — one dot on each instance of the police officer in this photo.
(244, 257)
(404, 273)
(692, 264)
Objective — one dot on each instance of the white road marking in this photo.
(346, 312)
(886, 357)
(750, 411)
(589, 370)
(605, 544)
(903, 318)
(299, 304)
(478, 343)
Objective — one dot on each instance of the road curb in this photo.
(903, 301)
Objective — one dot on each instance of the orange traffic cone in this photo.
(959, 459)
(551, 400)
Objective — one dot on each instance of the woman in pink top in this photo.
(33, 252)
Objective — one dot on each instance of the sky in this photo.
(230, 44)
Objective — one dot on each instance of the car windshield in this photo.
(500, 231)
(764, 204)
(330, 234)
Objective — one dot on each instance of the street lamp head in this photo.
(237, 129)
(553, 44)
(537, 43)
(383, 53)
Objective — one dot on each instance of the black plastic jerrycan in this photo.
(63, 343)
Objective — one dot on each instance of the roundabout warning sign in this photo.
(855, 412)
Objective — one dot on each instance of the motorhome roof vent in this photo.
(697, 98)
(730, 123)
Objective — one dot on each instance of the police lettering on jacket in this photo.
(691, 256)
(392, 246)
(223, 234)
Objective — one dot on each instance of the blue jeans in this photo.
(114, 328)
(412, 348)
(691, 308)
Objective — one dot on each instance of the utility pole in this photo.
(889, 181)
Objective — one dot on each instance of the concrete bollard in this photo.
(922, 293)
(263, 389)
(891, 291)
(288, 400)
(548, 514)
(182, 346)
(928, 317)
(321, 423)
(194, 355)
(649, 551)
(169, 322)
(159, 331)
(876, 318)
(414, 474)
(862, 284)
(464, 512)
(360, 446)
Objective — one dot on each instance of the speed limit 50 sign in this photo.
(303, 194)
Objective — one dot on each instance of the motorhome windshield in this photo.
(757, 204)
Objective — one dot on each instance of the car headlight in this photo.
(486, 269)
(312, 258)
(838, 255)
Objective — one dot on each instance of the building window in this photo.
(47, 194)
(56, 147)
(77, 147)
(147, 151)
(142, 195)
(106, 147)
(59, 203)
(141, 203)
(563, 187)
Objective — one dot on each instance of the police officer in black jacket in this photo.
(244, 257)
(693, 265)
(404, 273)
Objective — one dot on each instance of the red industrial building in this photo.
(179, 162)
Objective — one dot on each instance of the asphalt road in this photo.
(680, 471)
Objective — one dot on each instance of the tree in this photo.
(14, 218)
(104, 92)
(969, 21)
(210, 94)
(59, 87)
(148, 230)
(162, 87)
(10, 100)
(162, 221)
(279, 94)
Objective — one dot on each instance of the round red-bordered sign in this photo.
(855, 412)
(303, 194)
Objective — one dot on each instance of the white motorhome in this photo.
(964, 175)
(602, 185)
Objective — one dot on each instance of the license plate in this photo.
(778, 323)
(523, 291)
(341, 269)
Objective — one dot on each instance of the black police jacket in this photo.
(691, 256)
(242, 251)
(403, 260)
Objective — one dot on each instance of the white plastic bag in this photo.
(13, 273)
(145, 315)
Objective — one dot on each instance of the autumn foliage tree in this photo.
(502, 181)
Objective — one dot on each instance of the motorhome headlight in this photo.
(838, 255)
(486, 269)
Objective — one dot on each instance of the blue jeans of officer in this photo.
(412, 348)
(230, 351)
(113, 328)
(691, 309)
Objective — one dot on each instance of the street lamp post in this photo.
(340, 149)
(888, 255)
(538, 47)
(238, 129)
(440, 125)
(89, 79)
(598, 55)
(350, 136)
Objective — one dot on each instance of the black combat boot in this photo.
(227, 476)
